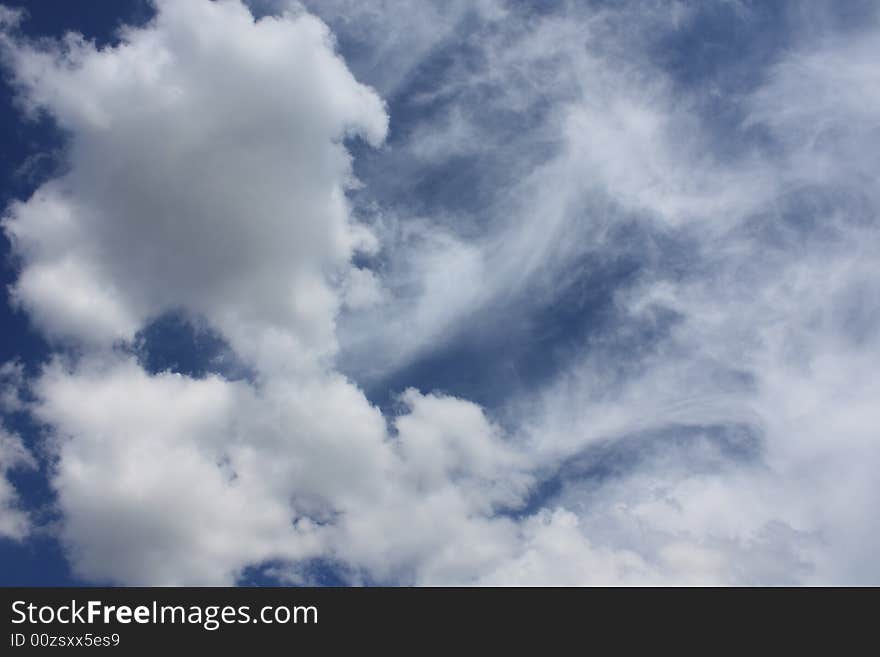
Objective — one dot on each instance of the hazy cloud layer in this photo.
(662, 282)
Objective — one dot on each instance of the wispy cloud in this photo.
(662, 279)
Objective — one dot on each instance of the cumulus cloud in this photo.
(209, 476)
(206, 172)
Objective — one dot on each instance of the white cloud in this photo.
(554, 552)
(148, 477)
(362, 289)
(14, 520)
(774, 305)
(394, 38)
(578, 131)
(775, 330)
(207, 173)
(12, 381)
(210, 476)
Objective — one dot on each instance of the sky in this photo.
(439, 293)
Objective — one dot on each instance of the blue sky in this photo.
(484, 292)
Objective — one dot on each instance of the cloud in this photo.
(170, 459)
(554, 552)
(774, 331)
(568, 134)
(209, 476)
(206, 172)
(15, 522)
(753, 307)
(389, 41)
(12, 381)
(708, 314)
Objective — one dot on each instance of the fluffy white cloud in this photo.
(167, 479)
(552, 551)
(206, 172)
